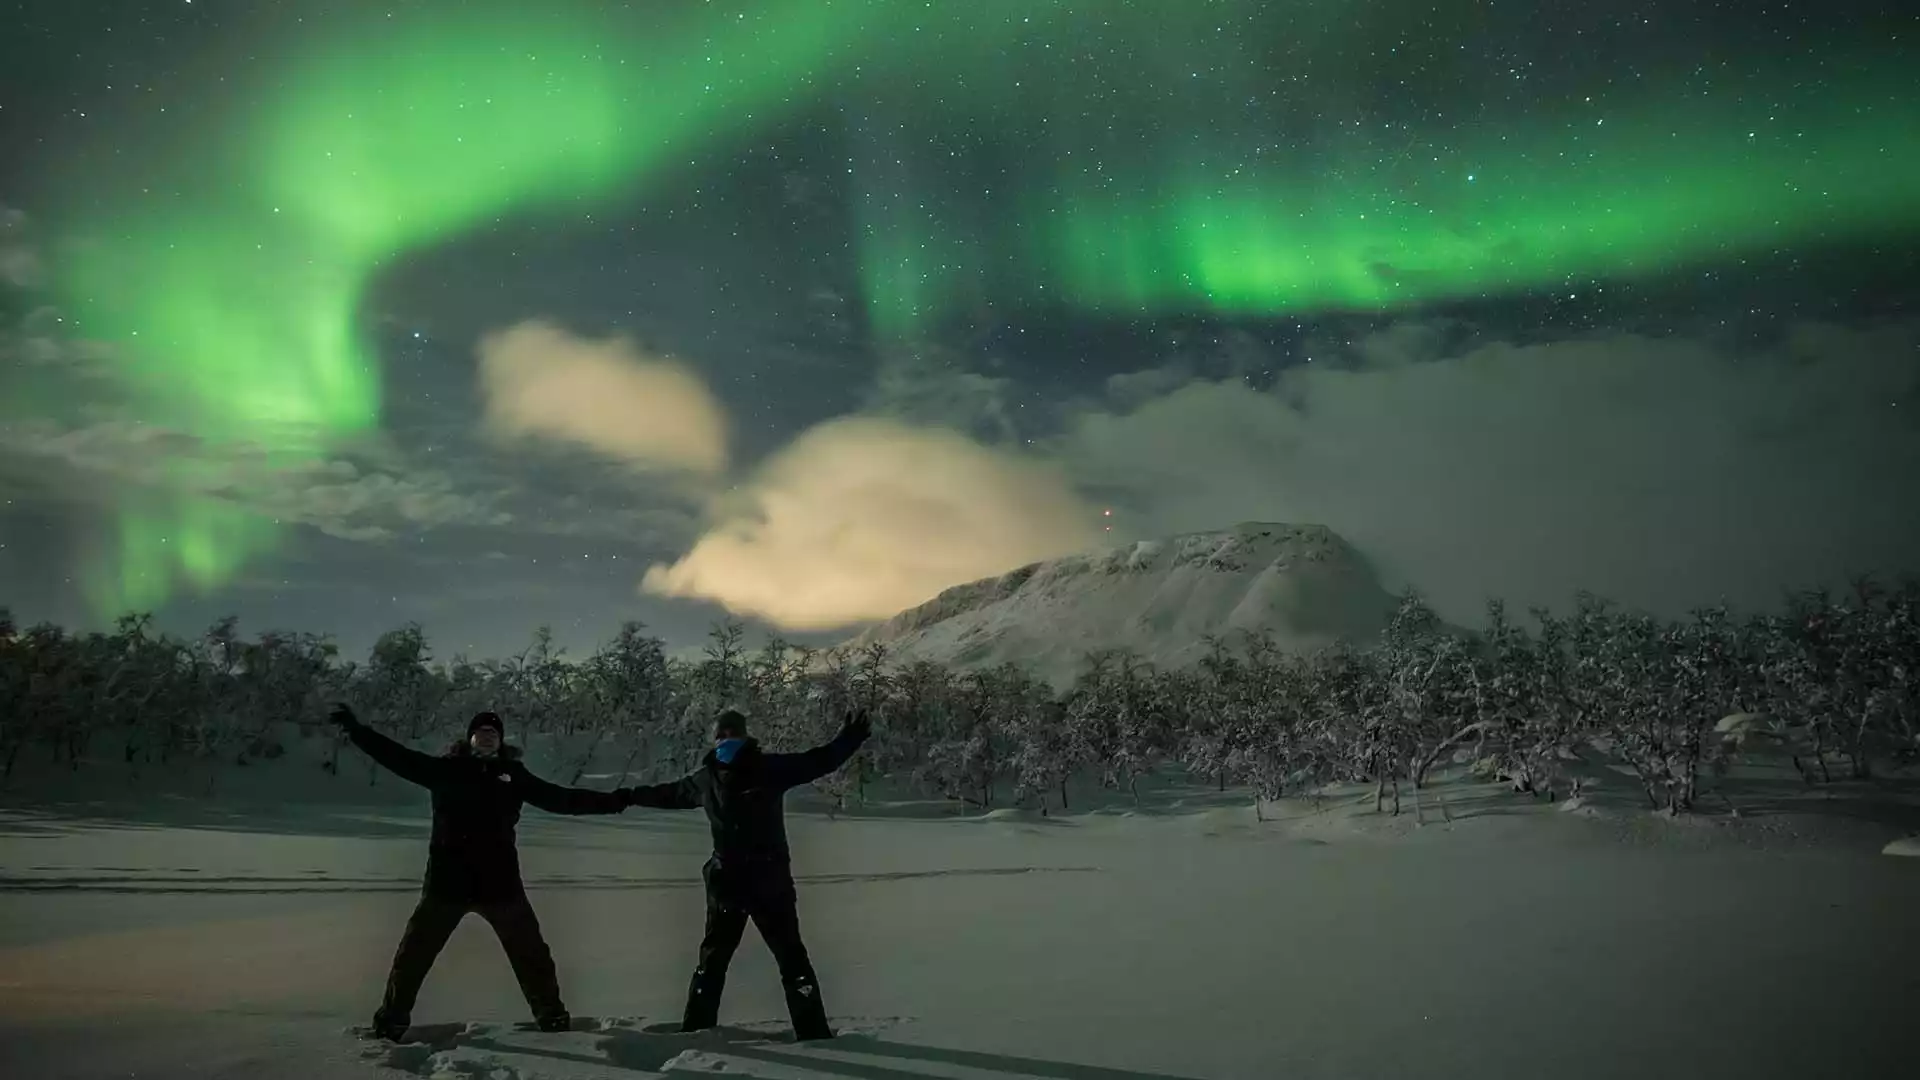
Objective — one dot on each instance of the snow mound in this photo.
(627, 1047)
(1756, 734)
(1303, 584)
(1906, 845)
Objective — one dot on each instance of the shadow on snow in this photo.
(656, 1048)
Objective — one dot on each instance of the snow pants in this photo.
(764, 893)
(433, 922)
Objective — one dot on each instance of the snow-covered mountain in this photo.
(1302, 583)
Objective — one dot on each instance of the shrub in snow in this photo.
(1828, 681)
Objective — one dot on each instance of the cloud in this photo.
(19, 262)
(34, 334)
(929, 386)
(1664, 472)
(1129, 389)
(862, 517)
(70, 433)
(540, 381)
(108, 460)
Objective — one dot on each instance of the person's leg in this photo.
(726, 922)
(432, 923)
(518, 929)
(776, 912)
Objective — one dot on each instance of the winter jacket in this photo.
(744, 798)
(476, 806)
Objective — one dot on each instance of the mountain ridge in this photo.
(1301, 583)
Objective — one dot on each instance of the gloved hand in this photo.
(857, 724)
(343, 717)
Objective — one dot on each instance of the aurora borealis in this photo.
(979, 165)
(1377, 220)
(236, 315)
(1648, 194)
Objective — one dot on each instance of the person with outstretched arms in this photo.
(749, 876)
(478, 786)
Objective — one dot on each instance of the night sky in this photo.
(338, 315)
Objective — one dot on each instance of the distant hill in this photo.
(1303, 584)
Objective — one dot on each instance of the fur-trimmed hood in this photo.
(463, 748)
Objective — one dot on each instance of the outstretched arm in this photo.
(792, 770)
(681, 794)
(404, 762)
(555, 799)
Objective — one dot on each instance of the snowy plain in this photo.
(179, 934)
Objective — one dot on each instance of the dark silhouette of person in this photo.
(749, 876)
(478, 786)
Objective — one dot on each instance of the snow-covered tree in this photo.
(1119, 721)
(1830, 678)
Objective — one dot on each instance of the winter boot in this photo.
(390, 1028)
(554, 1022)
(808, 1012)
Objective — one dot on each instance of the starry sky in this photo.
(340, 315)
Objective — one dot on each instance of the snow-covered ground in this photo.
(242, 936)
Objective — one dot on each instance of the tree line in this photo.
(1828, 680)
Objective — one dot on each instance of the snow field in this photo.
(1185, 941)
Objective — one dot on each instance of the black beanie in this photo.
(486, 719)
(730, 725)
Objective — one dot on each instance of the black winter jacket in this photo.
(744, 799)
(476, 807)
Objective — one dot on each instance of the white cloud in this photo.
(862, 517)
(540, 381)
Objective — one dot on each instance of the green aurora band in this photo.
(233, 308)
(203, 541)
(235, 305)
(1644, 195)
(1376, 225)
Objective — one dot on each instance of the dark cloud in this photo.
(938, 387)
(109, 460)
(1131, 389)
